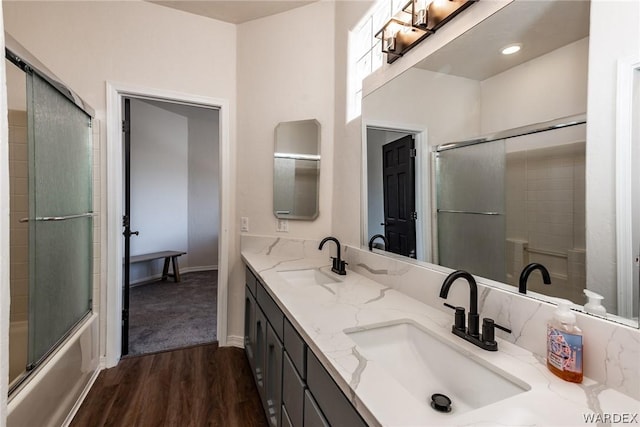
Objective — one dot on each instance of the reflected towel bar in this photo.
(468, 212)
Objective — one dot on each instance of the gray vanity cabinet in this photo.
(295, 389)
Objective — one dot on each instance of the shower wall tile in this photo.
(18, 208)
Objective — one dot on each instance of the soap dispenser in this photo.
(594, 304)
(564, 344)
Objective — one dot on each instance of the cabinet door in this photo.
(313, 416)
(273, 377)
(334, 404)
(250, 328)
(293, 388)
(260, 352)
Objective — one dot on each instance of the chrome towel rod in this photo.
(58, 218)
(468, 212)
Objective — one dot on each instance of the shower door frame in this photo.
(116, 92)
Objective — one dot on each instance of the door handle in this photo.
(384, 223)
(129, 233)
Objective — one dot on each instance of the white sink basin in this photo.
(309, 277)
(424, 365)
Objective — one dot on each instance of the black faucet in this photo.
(378, 236)
(338, 264)
(471, 332)
(524, 276)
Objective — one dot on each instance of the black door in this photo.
(398, 169)
(126, 221)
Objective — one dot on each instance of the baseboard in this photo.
(83, 395)
(183, 270)
(201, 268)
(235, 341)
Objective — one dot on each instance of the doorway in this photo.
(116, 93)
(395, 174)
(171, 200)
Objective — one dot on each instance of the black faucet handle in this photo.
(488, 330)
(459, 321)
(507, 330)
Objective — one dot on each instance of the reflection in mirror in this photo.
(296, 170)
(522, 200)
(468, 90)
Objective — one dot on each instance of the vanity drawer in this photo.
(296, 348)
(250, 281)
(293, 388)
(271, 310)
(333, 403)
(313, 415)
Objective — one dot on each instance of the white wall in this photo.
(448, 107)
(614, 35)
(198, 183)
(285, 72)
(159, 184)
(348, 132)
(546, 88)
(204, 189)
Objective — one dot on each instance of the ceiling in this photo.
(540, 27)
(233, 11)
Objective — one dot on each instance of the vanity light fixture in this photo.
(417, 20)
(511, 49)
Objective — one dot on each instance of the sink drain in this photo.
(441, 403)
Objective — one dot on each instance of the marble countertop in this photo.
(321, 313)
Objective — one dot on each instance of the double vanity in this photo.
(346, 350)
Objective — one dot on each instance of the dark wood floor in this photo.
(198, 386)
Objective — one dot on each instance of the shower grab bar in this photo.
(546, 252)
(58, 218)
(468, 212)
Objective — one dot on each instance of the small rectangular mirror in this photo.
(296, 170)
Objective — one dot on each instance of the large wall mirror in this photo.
(498, 157)
(296, 170)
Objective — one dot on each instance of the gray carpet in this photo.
(169, 315)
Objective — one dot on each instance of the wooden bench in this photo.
(167, 255)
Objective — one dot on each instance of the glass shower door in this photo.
(471, 209)
(60, 216)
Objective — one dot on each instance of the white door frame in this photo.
(422, 177)
(114, 170)
(627, 249)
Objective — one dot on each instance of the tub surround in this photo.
(379, 289)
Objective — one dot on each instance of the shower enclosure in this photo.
(513, 198)
(51, 212)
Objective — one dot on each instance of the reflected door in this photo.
(398, 168)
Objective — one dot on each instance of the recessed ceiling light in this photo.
(511, 49)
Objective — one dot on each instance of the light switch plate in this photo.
(283, 226)
(244, 223)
